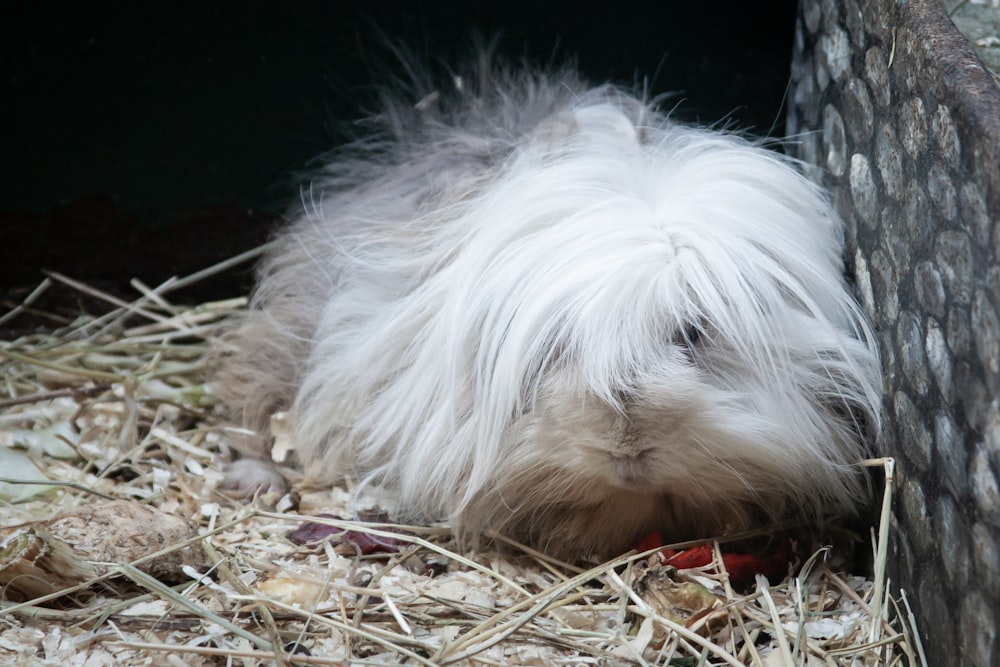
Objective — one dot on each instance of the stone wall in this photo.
(900, 121)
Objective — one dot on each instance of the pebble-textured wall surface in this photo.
(900, 121)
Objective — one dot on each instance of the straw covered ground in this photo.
(118, 549)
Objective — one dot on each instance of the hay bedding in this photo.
(119, 550)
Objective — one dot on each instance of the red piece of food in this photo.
(742, 567)
(310, 532)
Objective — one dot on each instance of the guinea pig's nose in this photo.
(631, 467)
(629, 454)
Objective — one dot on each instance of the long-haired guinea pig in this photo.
(528, 305)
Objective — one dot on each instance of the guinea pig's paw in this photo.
(247, 477)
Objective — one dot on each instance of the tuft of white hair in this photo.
(532, 306)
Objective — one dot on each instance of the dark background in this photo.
(152, 139)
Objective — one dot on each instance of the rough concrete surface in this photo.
(895, 112)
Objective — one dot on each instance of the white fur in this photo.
(539, 308)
